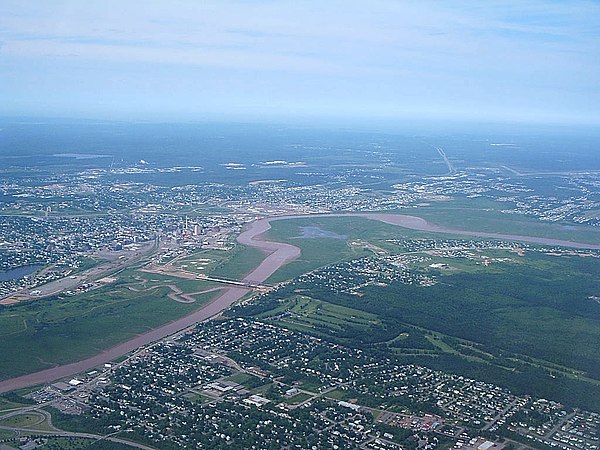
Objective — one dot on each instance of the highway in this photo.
(278, 254)
(442, 153)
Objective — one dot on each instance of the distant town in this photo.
(293, 351)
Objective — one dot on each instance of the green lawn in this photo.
(485, 215)
(7, 434)
(30, 420)
(41, 333)
(63, 443)
(297, 399)
(241, 261)
(6, 404)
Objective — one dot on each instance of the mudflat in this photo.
(277, 254)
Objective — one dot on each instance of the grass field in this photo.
(304, 313)
(297, 399)
(39, 334)
(485, 215)
(33, 421)
(365, 237)
(198, 398)
(75, 443)
(530, 323)
(319, 252)
(247, 380)
(241, 261)
(7, 434)
(520, 308)
(6, 404)
(42, 333)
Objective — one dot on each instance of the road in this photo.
(500, 415)
(277, 255)
(442, 153)
(45, 415)
(98, 437)
(72, 282)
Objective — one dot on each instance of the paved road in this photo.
(442, 153)
(80, 435)
(278, 254)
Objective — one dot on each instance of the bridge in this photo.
(234, 282)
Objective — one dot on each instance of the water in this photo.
(19, 272)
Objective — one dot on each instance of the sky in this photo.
(534, 60)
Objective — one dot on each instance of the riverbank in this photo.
(277, 254)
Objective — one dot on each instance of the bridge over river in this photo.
(277, 255)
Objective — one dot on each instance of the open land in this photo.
(371, 290)
(278, 254)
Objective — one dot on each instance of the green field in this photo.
(303, 313)
(520, 308)
(38, 334)
(485, 215)
(241, 261)
(21, 421)
(32, 420)
(7, 434)
(500, 317)
(247, 380)
(198, 398)
(74, 443)
(234, 263)
(297, 399)
(530, 323)
(468, 214)
(6, 404)
(41, 333)
(320, 252)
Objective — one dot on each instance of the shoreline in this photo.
(277, 255)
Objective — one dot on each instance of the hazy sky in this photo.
(197, 59)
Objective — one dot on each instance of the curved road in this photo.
(278, 254)
(72, 434)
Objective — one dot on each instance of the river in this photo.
(277, 254)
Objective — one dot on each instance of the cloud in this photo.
(428, 54)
